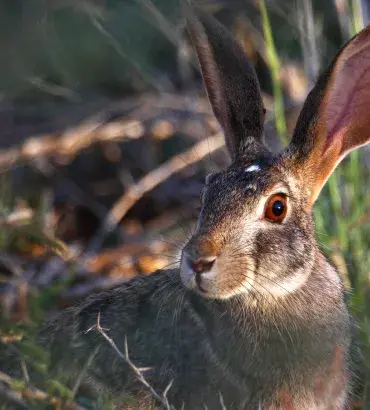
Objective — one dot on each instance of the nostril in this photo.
(202, 265)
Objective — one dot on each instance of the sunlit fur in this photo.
(254, 255)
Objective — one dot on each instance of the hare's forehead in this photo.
(237, 193)
(251, 178)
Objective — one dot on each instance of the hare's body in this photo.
(254, 317)
(292, 353)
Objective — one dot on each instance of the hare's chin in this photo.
(210, 287)
(218, 292)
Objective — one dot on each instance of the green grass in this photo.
(274, 66)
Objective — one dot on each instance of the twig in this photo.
(83, 372)
(53, 89)
(162, 24)
(10, 263)
(223, 407)
(360, 221)
(36, 394)
(166, 390)
(17, 217)
(13, 397)
(138, 371)
(152, 179)
(120, 51)
(25, 371)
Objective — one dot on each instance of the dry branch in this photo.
(16, 218)
(138, 371)
(100, 128)
(163, 172)
(179, 162)
(71, 142)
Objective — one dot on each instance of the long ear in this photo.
(335, 118)
(230, 80)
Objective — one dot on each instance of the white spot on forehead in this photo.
(253, 168)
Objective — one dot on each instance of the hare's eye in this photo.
(276, 208)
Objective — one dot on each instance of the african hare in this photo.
(254, 318)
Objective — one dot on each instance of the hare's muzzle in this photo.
(195, 269)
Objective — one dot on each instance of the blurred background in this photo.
(107, 135)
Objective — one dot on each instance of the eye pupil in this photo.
(278, 208)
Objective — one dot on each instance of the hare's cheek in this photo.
(235, 276)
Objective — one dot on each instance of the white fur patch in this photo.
(253, 168)
(288, 285)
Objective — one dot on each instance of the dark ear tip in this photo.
(187, 7)
(193, 18)
(191, 12)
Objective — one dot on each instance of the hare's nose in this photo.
(202, 265)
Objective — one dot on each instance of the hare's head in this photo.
(255, 230)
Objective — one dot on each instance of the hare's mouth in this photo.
(200, 283)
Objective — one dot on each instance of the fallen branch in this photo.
(17, 218)
(179, 162)
(71, 142)
(138, 371)
(163, 172)
(133, 123)
(12, 397)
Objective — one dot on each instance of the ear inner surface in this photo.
(348, 100)
(335, 118)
